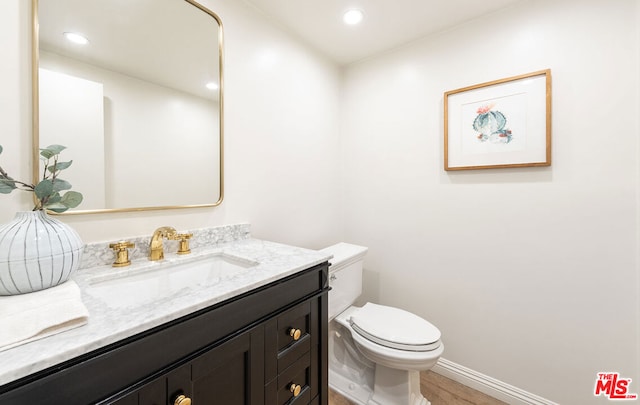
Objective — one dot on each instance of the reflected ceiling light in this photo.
(76, 38)
(212, 86)
(353, 16)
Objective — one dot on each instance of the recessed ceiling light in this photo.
(353, 16)
(212, 86)
(76, 38)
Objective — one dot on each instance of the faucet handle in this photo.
(122, 254)
(184, 243)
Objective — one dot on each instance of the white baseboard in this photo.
(485, 384)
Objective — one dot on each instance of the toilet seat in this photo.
(395, 328)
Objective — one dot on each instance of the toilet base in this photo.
(356, 393)
(350, 374)
(394, 386)
(391, 387)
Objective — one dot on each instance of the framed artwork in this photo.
(503, 123)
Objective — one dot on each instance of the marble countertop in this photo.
(114, 315)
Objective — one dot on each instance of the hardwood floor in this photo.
(440, 391)
(337, 399)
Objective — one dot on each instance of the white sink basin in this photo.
(165, 280)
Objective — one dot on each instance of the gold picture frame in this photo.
(499, 124)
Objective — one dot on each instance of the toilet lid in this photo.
(395, 328)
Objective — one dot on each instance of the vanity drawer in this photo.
(290, 361)
(294, 334)
(280, 390)
(297, 319)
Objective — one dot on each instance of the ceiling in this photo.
(387, 23)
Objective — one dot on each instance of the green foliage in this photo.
(48, 190)
(7, 186)
(51, 151)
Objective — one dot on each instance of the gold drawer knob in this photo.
(295, 389)
(182, 400)
(295, 333)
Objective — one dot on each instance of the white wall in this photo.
(637, 304)
(531, 274)
(281, 130)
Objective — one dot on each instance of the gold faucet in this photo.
(156, 251)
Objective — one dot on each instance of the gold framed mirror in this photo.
(139, 106)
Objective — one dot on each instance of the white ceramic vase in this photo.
(37, 252)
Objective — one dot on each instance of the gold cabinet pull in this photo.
(182, 400)
(295, 389)
(184, 248)
(122, 254)
(295, 333)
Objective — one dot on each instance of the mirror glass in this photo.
(139, 106)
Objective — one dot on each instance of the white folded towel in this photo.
(28, 317)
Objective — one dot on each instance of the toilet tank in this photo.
(345, 275)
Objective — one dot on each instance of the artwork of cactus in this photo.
(490, 125)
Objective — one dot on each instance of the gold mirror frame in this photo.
(36, 122)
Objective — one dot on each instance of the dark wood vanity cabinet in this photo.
(230, 373)
(268, 346)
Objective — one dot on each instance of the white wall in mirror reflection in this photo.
(175, 132)
(75, 106)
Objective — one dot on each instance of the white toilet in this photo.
(375, 352)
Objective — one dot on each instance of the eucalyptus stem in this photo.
(25, 186)
(44, 172)
(5, 175)
(54, 171)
